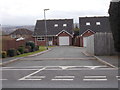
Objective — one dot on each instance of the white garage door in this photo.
(84, 41)
(64, 40)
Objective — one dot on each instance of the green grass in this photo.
(42, 48)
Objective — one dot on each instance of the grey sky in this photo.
(26, 12)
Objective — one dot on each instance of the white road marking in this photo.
(32, 74)
(3, 79)
(94, 79)
(95, 76)
(64, 76)
(37, 76)
(31, 79)
(19, 69)
(118, 78)
(62, 79)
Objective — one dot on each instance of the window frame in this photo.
(64, 25)
(98, 23)
(56, 25)
(88, 23)
(40, 38)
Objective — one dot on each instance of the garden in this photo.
(28, 49)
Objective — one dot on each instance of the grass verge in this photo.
(41, 48)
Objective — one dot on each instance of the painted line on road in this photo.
(32, 74)
(94, 76)
(3, 79)
(31, 77)
(94, 79)
(62, 79)
(118, 78)
(64, 76)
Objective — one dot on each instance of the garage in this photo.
(64, 40)
(85, 41)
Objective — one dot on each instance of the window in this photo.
(40, 38)
(56, 25)
(13, 36)
(87, 23)
(97, 23)
(64, 25)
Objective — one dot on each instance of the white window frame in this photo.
(55, 25)
(40, 38)
(87, 23)
(98, 23)
(64, 25)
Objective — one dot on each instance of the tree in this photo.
(114, 12)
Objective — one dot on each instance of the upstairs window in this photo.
(98, 23)
(55, 25)
(40, 38)
(88, 23)
(64, 25)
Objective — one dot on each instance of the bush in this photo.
(36, 48)
(18, 53)
(26, 50)
(32, 44)
(29, 48)
(4, 54)
(12, 52)
(21, 49)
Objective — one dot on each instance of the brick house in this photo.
(21, 32)
(89, 26)
(59, 32)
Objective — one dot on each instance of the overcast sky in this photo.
(26, 12)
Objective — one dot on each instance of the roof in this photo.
(22, 31)
(103, 27)
(51, 29)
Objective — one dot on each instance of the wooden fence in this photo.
(101, 44)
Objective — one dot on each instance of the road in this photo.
(65, 67)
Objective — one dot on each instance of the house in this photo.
(91, 25)
(59, 32)
(21, 32)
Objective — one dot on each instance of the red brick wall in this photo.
(79, 41)
(7, 44)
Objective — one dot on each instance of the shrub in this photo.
(18, 53)
(21, 49)
(36, 48)
(4, 54)
(26, 50)
(29, 48)
(12, 52)
(32, 44)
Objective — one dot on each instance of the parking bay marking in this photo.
(24, 78)
(95, 78)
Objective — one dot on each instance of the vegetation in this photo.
(12, 52)
(4, 54)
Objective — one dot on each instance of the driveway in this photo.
(59, 56)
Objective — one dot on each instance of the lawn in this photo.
(41, 48)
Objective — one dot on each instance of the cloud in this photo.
(28, 11)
